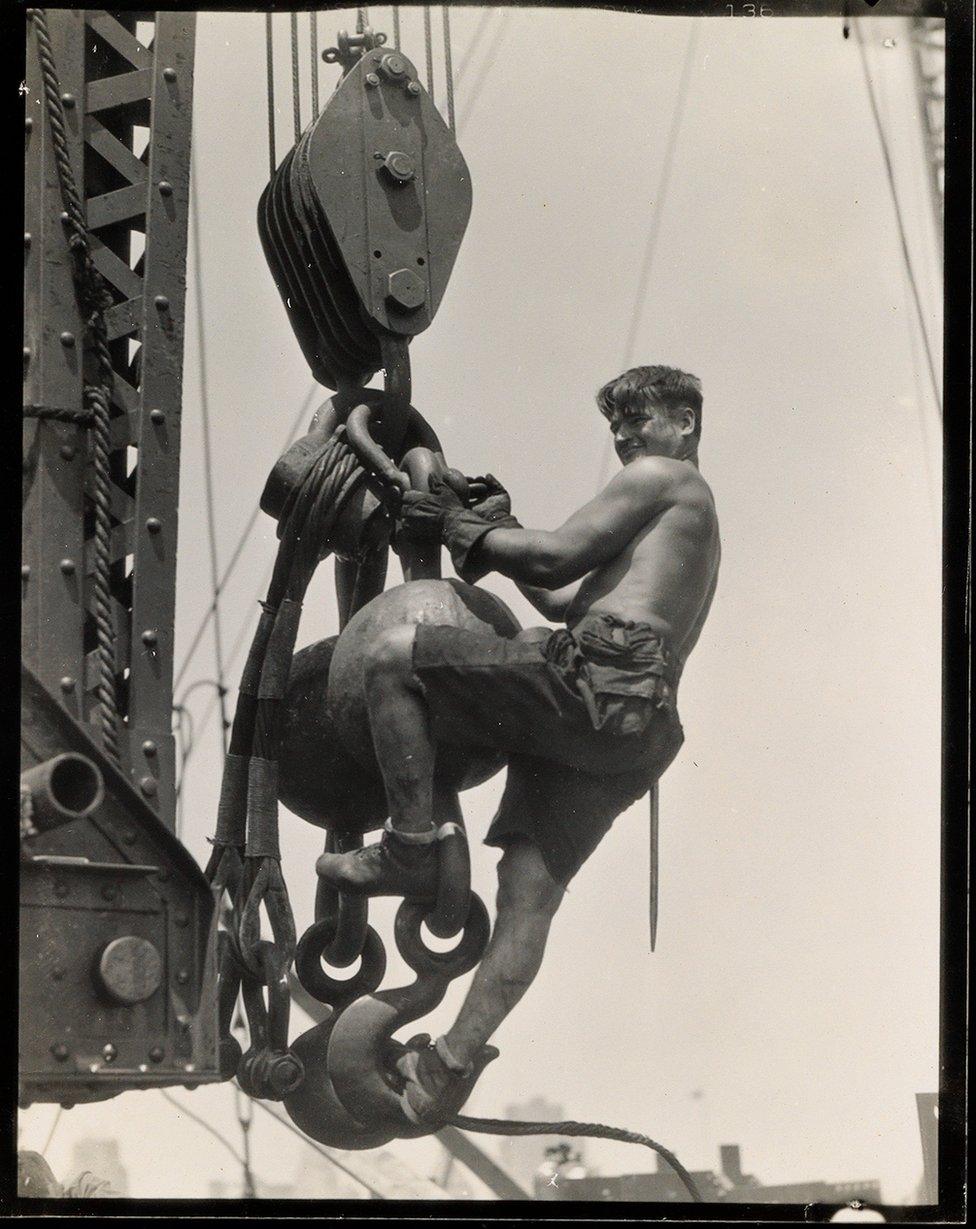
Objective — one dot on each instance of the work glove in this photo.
(489, 498)
(441, 516)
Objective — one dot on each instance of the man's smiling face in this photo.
(647, 431)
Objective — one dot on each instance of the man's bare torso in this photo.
(666, 574)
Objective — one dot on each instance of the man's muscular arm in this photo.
(595, 534)
(552, 604)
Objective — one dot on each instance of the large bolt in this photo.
(130, 970)
(405, 290)
(413, 88)
(399, 166)
(393, 66)
(372, 81)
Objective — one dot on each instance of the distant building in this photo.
(522, 1155)
(731, 1185)
(101, 1159)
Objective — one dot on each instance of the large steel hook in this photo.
(362, 1050)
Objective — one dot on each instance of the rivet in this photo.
(154, 524)
(372, 80)
(149, 637)
(181, 919)
(27, 238)
(149, 747)
(110, 1052)
(28, 124)
(157, 416)
(67, 567)
(157, 1054)
(60, 889)
(67, 1105)
(128, 837)
(67, 451)
(169, 74)
(67, 339)
(182, 977)
(25, 571)
(413, 88)
(108, 892)
(148, 786)
(67, 683)
(27, 354)
(162, 303)
(68, 100)
(165, 188)
(143, 1067)
(65, 217)
(60, 1051)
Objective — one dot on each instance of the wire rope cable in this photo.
(650, 247)
(269, 52)
(448, 67)
(396, 27)
(296, 99)
(429, 52)
(202, 1122)
(313, 34)
(286, 1122)
(899, 219)
(54, 1127)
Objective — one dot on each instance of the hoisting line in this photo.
(396, 27)
(448, 68)
(94, 298)
(313, 31)
(576, 1130)
(906, 255)
(269, 42)
(429, 51)
(296, 101)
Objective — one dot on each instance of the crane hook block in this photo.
(362, 222)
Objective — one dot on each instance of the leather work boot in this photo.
(389, 868)
(435, 1084)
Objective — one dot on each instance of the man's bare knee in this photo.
(524, 882)
(389, 656)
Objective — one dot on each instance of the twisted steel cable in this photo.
(296, 101)
(448, 67)
(94, 297)
(586, 1130)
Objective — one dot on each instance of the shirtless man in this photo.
(587, 713)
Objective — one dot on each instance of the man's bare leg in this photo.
(527, 900)
(438, 1080)
(407, 864)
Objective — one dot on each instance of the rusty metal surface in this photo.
(123, 72)
(97, 894)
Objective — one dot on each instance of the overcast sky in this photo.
(792, 1004)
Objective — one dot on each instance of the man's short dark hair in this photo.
(665, 387)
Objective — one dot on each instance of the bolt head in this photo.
(161, 302)
(148, 786)
(27, 354)
(413, 88)
(154, 524)
(393, 66)
(25, 571)
(399, 166)
(27, 239)
(157, 417)
(371, 80)
(67, 567)
(157, 1054)
(28, 124)
(149, 747)
(67, 339)
(110, 1052)
(149, 637)
(67, 451)
(169, 74)
(405, 290)
(68, 100)
(165, 188)
(182, 977)
(67, 683)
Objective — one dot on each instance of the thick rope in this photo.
(94, 297)
(313, 32)
(586, 1130)
(448, 67)
(429, 52)
(396, 26)
(296, 101)
(269, 45)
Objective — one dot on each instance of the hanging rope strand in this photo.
(448, 67)
(655, 226)
(396, 26)
(269, 41)
(313, 30)
(899, 220)
(296, 100)
(429, 51)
